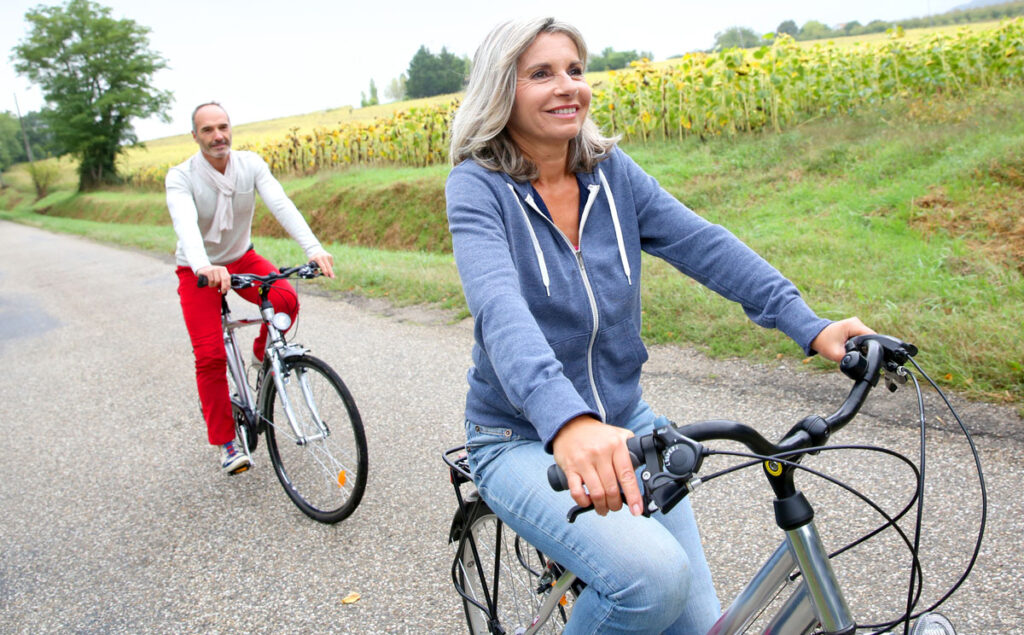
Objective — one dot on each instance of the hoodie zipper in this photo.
(578, 253)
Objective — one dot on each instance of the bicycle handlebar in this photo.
(679, 451)
(243, 280)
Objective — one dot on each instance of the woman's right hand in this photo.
(594, 454)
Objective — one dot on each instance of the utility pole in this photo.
(24, 135)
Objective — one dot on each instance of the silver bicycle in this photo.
(313, 430)
(508, 586)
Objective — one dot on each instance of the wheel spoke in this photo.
(323, 469)
(520, 567)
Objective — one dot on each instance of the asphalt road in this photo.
(115, 518)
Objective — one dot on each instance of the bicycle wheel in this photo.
(323, 464)
(506, 565)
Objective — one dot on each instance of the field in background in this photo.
(171, 150)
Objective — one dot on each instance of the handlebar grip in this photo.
(203, 281)
(558, 481)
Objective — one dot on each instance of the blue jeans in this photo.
(643, 575)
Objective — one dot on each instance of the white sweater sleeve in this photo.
(284, 210)
(185, 218)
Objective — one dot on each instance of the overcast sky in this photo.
(264, 59)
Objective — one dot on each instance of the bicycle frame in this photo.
(816, 600)
(277, 349)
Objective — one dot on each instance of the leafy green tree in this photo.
(852, 28)
(877, 26)
(373, 100)
(12, 139)
(610, 59)
(814, 30)
(788, 27)
(430, 74)
(40, 137)
(737, 37)
(395, 90)
(10, 143)
(96, 74)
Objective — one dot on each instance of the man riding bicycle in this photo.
(211, 199)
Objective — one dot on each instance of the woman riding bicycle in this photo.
(548, 221)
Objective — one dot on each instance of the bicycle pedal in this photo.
(244, 468)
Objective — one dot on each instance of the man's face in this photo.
(213, 132)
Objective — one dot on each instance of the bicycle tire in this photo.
(521, 565)
(325, 478)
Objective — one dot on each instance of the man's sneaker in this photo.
(233, 460)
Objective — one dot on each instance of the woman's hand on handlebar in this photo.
(831, 342)
(594, 454)
(325, 261)
(217, 277)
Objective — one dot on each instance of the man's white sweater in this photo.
(192, 199)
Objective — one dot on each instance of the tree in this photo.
(788, 27)
(10, 144)
(12, 139)
(852, 28)
(395, 90)
(609, 59)
(96, 74)
(430, 74)
(737, 37)
(814, 30)
(373, 100)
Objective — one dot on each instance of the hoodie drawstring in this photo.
(536, 243)
(618, 228)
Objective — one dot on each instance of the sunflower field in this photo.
(702, 94)
(785, 83)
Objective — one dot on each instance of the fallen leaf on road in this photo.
(350, 598)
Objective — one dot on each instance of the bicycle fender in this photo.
(473, 508)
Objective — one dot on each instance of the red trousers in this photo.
(201, 308)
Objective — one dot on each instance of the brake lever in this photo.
(576, 510)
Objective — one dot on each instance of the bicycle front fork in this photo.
(275, 353)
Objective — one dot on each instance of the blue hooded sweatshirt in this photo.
(556, 328)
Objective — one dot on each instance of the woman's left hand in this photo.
(831, 342)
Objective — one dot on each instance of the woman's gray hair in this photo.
(479, 126)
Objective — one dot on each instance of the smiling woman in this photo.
(548, 221)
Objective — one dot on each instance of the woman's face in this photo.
(552, 96)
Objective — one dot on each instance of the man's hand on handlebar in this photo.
(831, 342)
(325, 261)
(594, 454)
(216, 277)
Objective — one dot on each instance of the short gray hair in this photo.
(204, 105)
(479, 126)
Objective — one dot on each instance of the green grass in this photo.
(833, 206)
(906, 216)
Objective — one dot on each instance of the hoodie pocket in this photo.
(619, 358)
